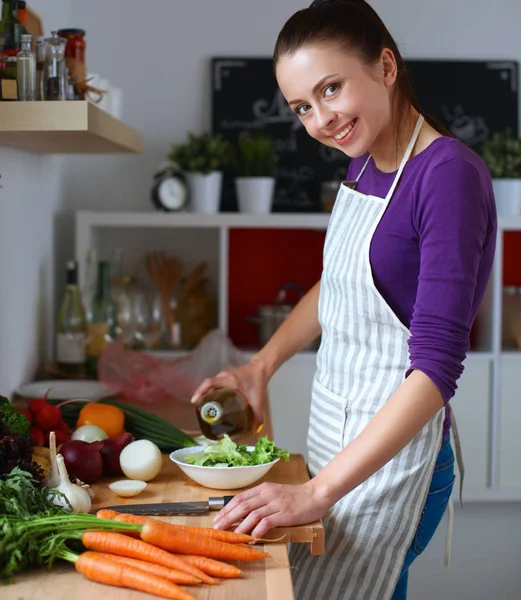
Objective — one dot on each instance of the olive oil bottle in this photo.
(224, 411)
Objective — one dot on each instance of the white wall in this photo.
(158, 52)
(29, 200)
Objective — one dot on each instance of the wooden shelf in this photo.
(65, 127)
(229, 220)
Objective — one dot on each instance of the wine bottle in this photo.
(71, 326)
(102, 321)
(224, 411)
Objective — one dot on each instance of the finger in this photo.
(236, 502)
(238, 512)
(255, 517)
(222, 379)
(202, 389)
(269, 522)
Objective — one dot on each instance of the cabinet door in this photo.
(290, 399)
(470, 408)
(510, 424)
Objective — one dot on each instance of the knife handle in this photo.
(216, 503)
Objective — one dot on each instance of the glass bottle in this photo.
(53, 82)
(121, 288)
(71, 327)
(21, 11)
(8, 85)
(40, 61)
(26, 70)
(224, 411)
(91, 281)
(102, 323)
(11, 29)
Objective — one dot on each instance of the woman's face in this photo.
(340, 102)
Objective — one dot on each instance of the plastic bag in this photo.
(144, 379)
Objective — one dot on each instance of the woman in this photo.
(407, 257)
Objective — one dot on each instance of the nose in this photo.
(324, 117)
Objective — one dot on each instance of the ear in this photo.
(389, 67)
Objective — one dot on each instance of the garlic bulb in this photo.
(78, 498)
(53, 479)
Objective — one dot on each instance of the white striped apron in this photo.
(361, 362)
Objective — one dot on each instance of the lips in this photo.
(344, 134)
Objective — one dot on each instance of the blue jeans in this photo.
(435, 505)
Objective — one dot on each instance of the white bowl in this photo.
(220, 478)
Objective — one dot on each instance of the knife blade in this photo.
(169, 509)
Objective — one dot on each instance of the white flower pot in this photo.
(205, 191)
(255, 194)
(507, 193)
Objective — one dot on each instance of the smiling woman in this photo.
(407, 257)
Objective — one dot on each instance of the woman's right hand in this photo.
(250, 379)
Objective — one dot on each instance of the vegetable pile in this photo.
(227, 453)
(121, 550)
(140, 423)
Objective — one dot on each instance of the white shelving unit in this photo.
(486, 406)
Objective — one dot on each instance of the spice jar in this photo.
(511, 329)
(53, 81)
(196, 313)
(75, 59)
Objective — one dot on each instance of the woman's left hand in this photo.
(272, 505)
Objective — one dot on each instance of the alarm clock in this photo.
(170, 189)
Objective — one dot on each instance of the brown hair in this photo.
(355, 27)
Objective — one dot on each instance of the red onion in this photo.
(111, 451)
(83, 460)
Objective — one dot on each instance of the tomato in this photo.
(109, 418)
(47, 417)
(37, 436)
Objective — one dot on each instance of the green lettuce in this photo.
(226, 453)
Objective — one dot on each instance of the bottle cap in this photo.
(211, 412)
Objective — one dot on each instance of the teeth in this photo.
(343, 133)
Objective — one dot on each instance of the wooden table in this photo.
(265, 580)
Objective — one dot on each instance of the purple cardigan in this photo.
(432, 252)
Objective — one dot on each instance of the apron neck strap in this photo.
(363, 168)
(406, 156)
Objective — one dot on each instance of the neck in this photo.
(389, 147)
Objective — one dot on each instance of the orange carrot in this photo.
(224, 536)
(105, 513)
(117, 543)
(185, 542)
(216, 568)
(171, 574)
(104, 570)
(218, 534)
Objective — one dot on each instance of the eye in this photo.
(331, 89)
(302, 110)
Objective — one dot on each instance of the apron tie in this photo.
(461, 469)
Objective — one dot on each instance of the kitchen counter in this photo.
(263, 580)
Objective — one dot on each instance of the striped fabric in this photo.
(361, 362)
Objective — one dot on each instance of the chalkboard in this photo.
(472, 99)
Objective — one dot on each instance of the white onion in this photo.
(141, 460)
(89, 433)
(127, 487)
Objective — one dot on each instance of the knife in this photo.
(169, 509)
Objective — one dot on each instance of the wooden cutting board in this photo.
(265, 580)
(172, 485)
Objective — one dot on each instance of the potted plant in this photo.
(254, 157)
(202, 158)
(502, 153)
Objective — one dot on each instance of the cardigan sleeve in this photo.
(452, 218)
